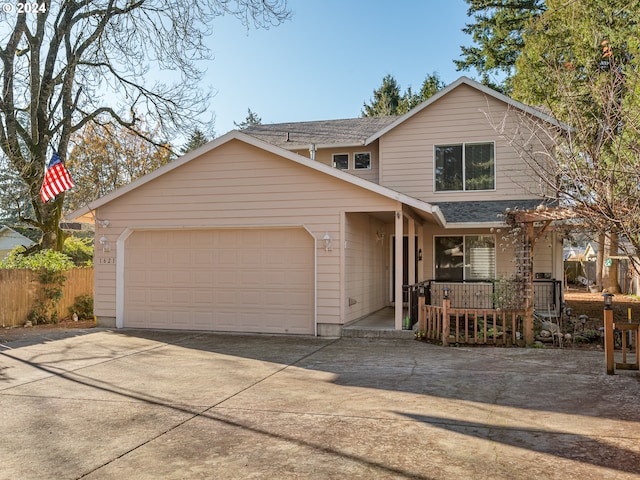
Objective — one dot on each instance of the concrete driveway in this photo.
(150, 405)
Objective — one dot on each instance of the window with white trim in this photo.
(362, 161)
(341, 161)
(465, 167)
(465, 257)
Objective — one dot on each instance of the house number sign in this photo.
(107, 260)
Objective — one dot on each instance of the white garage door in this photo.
(240, 280)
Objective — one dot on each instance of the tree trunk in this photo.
(52, 235)
(600, 259)
(610, 271)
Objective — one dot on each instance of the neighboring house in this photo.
(306, 227)
(10, 239)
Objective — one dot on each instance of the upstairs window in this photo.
(362, 161)
(465, 167)
(465, 257)
(341, 161)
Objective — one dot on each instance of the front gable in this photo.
(239, 184)
(465, 119)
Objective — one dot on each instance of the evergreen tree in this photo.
(497, 34)
(387, 100)
(252, 119)
(432, 84)
(196, 140)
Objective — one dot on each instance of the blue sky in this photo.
(326, 61)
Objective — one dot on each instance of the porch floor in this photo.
(379, 324)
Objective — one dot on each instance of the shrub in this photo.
(51, 265)
(79, 250)
(49, 260)
(83, 307)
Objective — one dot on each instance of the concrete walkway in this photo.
(151, 405)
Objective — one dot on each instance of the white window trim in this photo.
(354, 160)
(464, 248)
(495, 170)
(333, 162)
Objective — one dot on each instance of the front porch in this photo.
(380, 324)
(473, 317)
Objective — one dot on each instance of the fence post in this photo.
(446, 305)
(422, 311)
(608, 334)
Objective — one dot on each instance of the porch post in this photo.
(399, 273)
(421, 276)
(411, 232)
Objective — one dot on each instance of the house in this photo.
(303, 228)
(10, 239)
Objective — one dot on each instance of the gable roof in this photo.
(353, 132)
(348, 132)
(419, 205)
(473, 84)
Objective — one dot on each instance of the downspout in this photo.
(312, 151)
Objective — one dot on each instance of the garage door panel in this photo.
(245, 280)
(159, 296)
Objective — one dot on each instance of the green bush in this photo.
(51, 265)
(83, 307)
(79, 250)
(49, 260)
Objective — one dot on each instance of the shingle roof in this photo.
(482, 212)
(349, 131)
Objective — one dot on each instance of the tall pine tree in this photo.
(497, 33)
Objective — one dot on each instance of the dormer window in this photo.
(341, 161)
(362, 161)
(465, 167)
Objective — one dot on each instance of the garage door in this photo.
(240, 280)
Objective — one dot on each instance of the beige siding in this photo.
(325, 156)
(365, 277)
(542, 255)
(406, 152)
(239, 185)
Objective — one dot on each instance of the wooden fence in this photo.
(470, 326)
(20, 291)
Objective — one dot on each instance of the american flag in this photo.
(56, 179)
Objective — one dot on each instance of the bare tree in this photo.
(591, 165)
(70, 63)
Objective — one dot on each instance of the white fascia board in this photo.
(323, 146)
(468, 225)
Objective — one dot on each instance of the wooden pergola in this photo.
(534, 224)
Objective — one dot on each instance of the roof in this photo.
(9, 239)
(478, 86)
(487, 212)
(350, 132)
(419, 205)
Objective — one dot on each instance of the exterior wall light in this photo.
(327, 242)
(445, 293)
(105, 244)
(608, 300)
